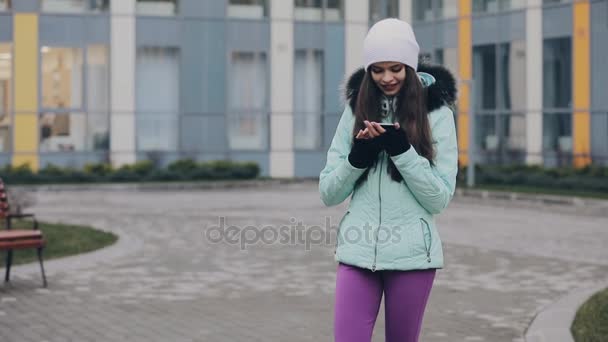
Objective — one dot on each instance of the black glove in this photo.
(364, 152)
(395, 141)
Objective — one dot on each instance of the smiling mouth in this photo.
(389, 87)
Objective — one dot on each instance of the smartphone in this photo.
(388, 126)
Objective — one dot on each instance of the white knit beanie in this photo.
(391, 40)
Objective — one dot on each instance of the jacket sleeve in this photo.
(433, 186)
(338, 177)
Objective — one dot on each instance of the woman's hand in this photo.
(372, 130)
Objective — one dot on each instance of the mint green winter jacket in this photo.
(391, 225)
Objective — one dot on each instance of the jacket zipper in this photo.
(379, 214)
(338, 232)
(428, 249)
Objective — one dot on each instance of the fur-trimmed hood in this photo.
(441, 87)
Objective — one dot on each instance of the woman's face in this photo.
(389, 76)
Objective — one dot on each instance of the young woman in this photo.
(400, 176)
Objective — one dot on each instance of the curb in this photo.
(552, 324)
(572, 201)
(163, 186)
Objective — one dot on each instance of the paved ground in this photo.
(166, 281)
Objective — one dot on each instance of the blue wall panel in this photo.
(6, 28)
(309, 164)
(599, 82)
(557, 21)
(334, 67)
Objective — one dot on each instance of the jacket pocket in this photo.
(338, 232)
(427, 237)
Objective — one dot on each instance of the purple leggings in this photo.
(358, 296)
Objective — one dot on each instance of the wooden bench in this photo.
(12, 239)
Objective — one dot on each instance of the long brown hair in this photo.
(411, 113)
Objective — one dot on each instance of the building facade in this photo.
(119, 81)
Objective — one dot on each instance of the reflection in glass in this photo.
(156, 7)
(247, 101)
(75, 6)
(308, 98)
(248, 9)
(157, 98)
(5, 5)
(62, 77)
(62, 132)
(6, 59)
(380, 9)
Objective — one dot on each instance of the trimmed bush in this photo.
(181, 170)
(592, 178)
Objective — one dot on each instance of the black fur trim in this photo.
(442, 92)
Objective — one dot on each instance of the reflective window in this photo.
(5, 5)
(380, 9)
(157, 98)
(499, 85)
(98, 98)
(5, 96)
(308, 98)
(156, 7)
(75, 99)
(248, 101)
(313, 10)
(422, 10)
(75, 6)
(62, 75)
(248, 9)
(557, 101)
(491, 6)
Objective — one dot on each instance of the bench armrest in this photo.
(10, 217)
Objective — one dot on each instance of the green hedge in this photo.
(591, 178)
(143, 171)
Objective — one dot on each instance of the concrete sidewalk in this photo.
(166, 281)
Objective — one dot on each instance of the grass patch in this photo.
(591, 321)
(61, 240)
(545, 191)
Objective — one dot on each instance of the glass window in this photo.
(447, 8)
(62, 74)
(75, 6)
(484, 75)
(6, 74)
(308, 10)
(248, 9)
(557, 97)
(557, 73)
(156, 7)
(62, 132)
(380, 9)
(248, 101)
(553, 2)
(157, 98)
(422, 10)
(308, 98)
(69, 120)
(334, 10)
(491, 6)
(499, 81)
(98, 99)
(5, 5)
(512, 61)
(312, 10)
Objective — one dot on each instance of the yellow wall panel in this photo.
(465, 61)
(25, 130)
(30, 159)
(26, 62)
(581, 73)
